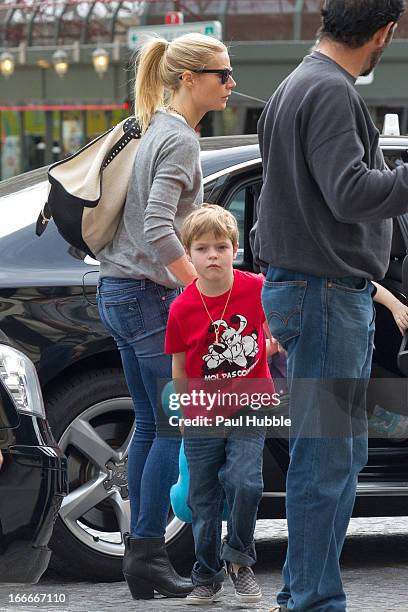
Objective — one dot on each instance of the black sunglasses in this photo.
(225, 73)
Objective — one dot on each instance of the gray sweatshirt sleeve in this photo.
(353, 192)
(174, 172)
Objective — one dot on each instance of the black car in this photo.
(33, 475)
(48, 309)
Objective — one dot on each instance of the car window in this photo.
(394, 158)
(235, 202)
(236, 206)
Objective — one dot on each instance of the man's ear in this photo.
(187, 252)
(383, 35)
(235, 250)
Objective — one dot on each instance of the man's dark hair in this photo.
(354, 22)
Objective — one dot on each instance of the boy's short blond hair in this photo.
(209, 218)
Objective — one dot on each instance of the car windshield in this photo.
(22, 208)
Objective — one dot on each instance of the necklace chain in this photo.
(174, 110)
(217, 329)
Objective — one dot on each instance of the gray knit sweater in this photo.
(165, 186)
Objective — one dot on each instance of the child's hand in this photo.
(400, 314)
(272, 346)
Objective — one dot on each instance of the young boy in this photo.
(215, 332)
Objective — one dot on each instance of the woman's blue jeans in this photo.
(135, 313)
(327, 327)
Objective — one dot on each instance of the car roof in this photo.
(394, 141)
(217, 153)
(214, 161)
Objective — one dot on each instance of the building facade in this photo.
(47, 114)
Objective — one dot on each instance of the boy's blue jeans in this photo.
(135, 313)
(327, 327)
(224, 468)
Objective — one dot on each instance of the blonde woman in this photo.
(141, 272)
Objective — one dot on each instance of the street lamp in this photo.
(100, 60)
(60, 60)
(7, 64)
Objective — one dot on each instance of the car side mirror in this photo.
(402, 359)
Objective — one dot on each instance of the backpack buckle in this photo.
(43, 219)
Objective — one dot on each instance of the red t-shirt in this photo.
(241, 349)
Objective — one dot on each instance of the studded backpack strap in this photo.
(131, 130)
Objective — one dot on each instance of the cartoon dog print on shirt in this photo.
(233, 349)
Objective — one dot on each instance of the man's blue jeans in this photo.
(224, 468)
(327, 327)
(135, 313)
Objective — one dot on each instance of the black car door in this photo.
(383, 480)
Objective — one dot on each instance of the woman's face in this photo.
(209, 93)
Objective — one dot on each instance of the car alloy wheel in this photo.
(98, 467)
(92, 419)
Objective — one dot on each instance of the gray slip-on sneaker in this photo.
(204, 593)
(247, 590)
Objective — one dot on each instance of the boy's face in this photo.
(212, 257)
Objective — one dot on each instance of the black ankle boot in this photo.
(147, 568)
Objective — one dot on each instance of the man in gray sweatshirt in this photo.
(323, 232)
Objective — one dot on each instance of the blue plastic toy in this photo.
(178, 492)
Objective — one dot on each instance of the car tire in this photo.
(100, 399)
(180, 549)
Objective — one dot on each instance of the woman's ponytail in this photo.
(149, 87)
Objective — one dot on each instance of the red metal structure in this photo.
(61, 22)
(54, 22)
